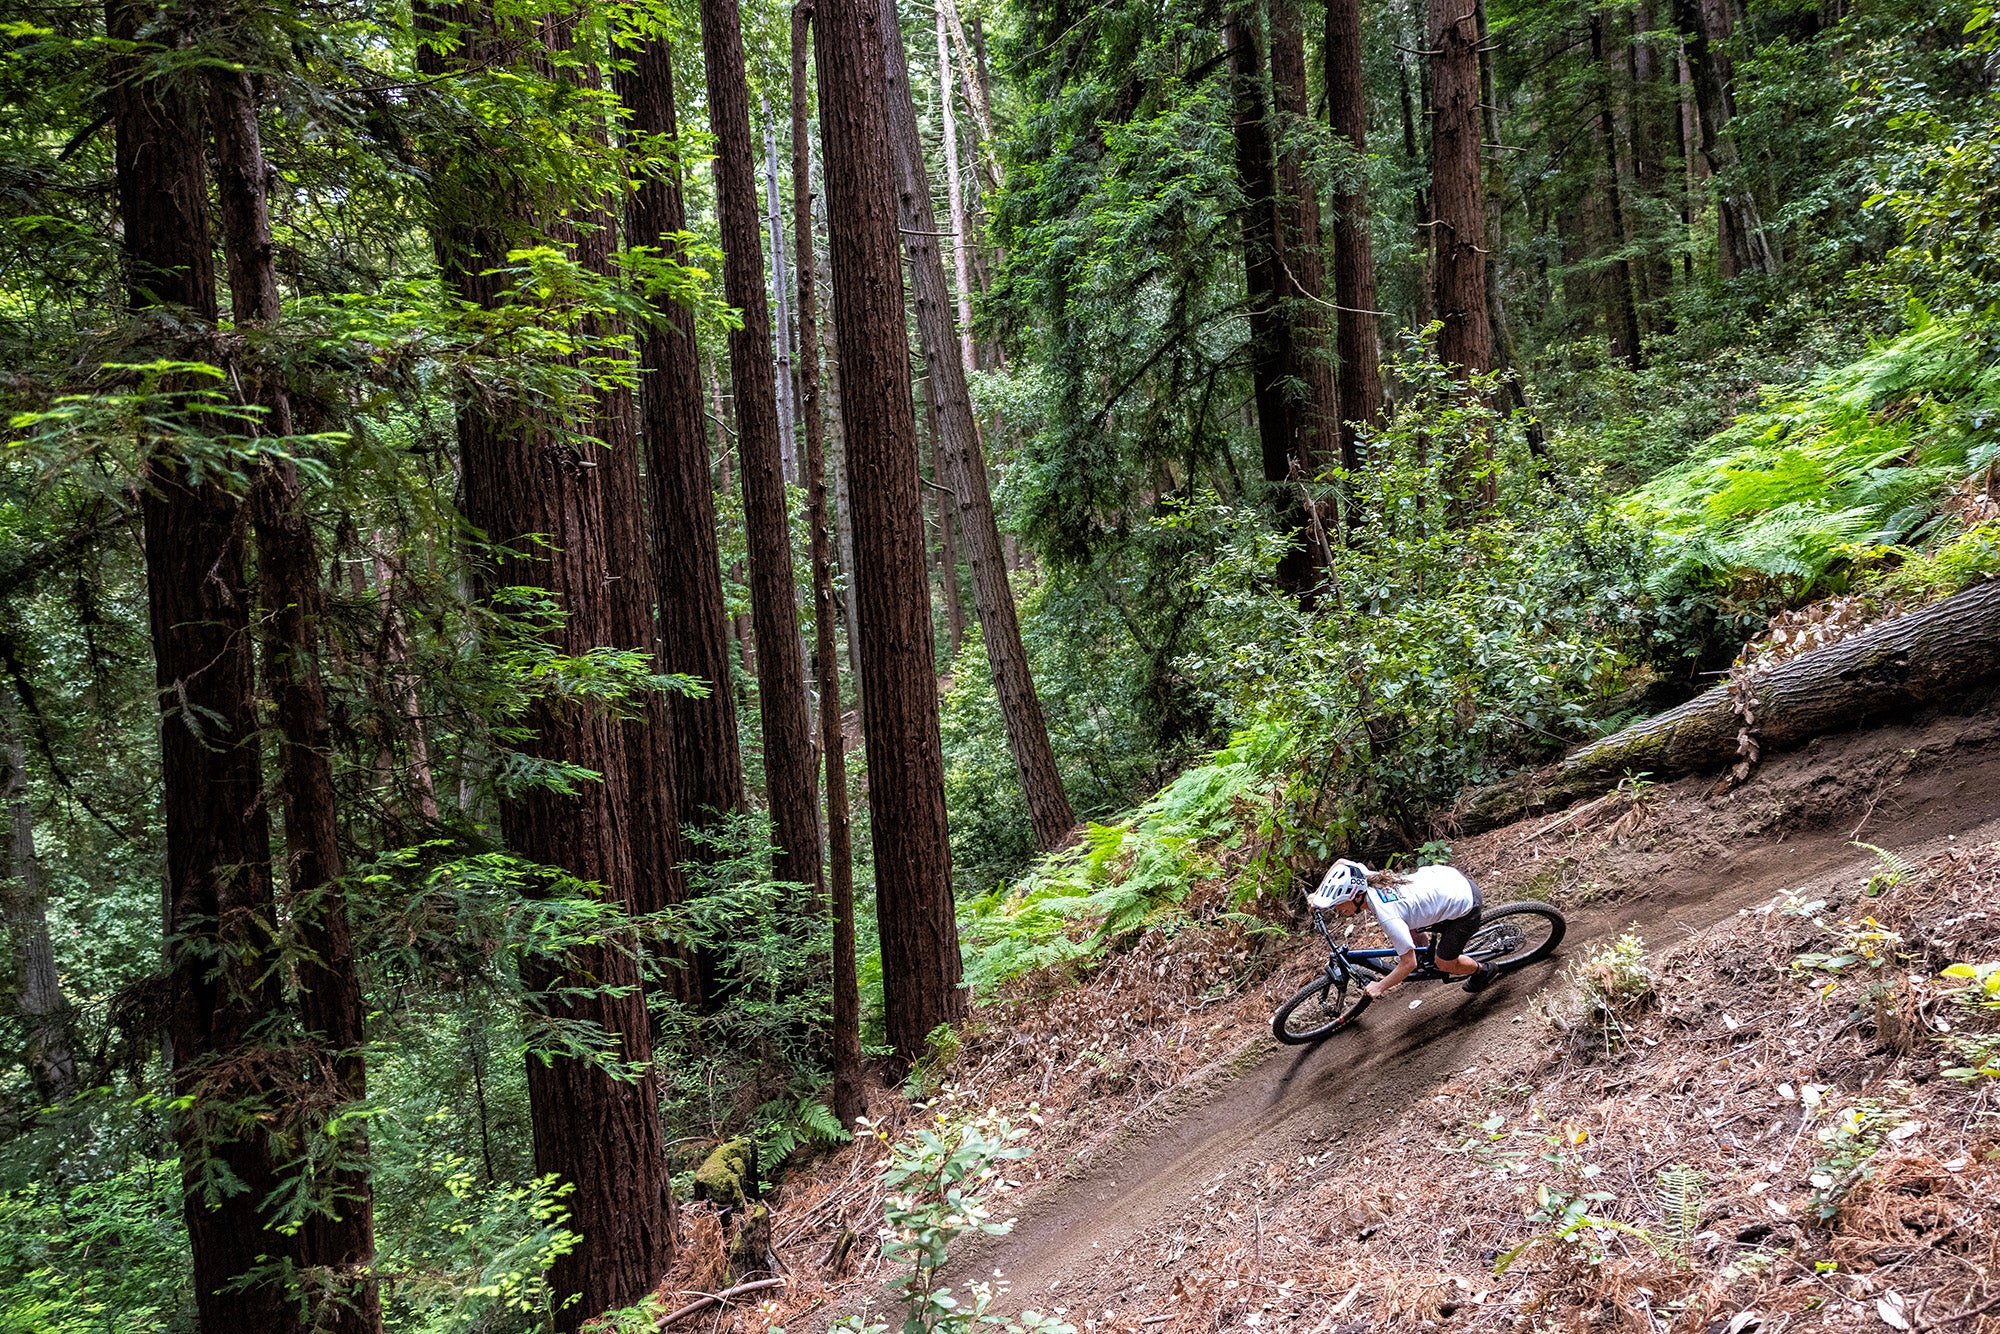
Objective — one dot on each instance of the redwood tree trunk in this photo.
(686, 554)
(1301, 281)
(1358, 341)
(781, 675)
(844, 1041)
(221, 986)
(1271, 361)
(1459, 208)
(338, 1240)
(543, 506)
(1741, 244)
(1621, 311)
(1457, 205)
(921, 967)
(965, 462)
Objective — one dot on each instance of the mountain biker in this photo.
(1430, 899)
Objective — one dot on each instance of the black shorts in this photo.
(1449, 938)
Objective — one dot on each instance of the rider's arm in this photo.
(1406, 963)
(1398, 932)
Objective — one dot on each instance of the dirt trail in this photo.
(1109, 1229)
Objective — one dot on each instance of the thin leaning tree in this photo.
(964, 459)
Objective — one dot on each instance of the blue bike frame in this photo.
(1347, 962)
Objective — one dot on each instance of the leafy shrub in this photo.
(1126, 875)
(1600, 996)
(941, 1180)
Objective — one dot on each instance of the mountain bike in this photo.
(1510, 936)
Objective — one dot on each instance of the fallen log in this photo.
(1926, 657)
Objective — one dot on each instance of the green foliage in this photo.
(1678, 1193)
(95, 1257)
(1074, 904)
(753, 1061)
(1821, 484)
(941, 1182)
(1601, 994)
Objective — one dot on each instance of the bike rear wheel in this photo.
(1515, 935)
(1321, 1008)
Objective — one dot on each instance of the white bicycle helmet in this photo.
(1343, 880)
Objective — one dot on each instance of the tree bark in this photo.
(954, 606)
(543, 506)
(1302, 279)
(47, 1020)
(686, 555)
(787, 412)
(1423, 243)
(1649, 172)
(338, 1240)
(1621, 312)
(1358, 340)
(1457, 203)
(781, 677)
(1459, 213)
(1931, 656)
(844, 1039)
(1271, 359)
(921, 967)
(221, 985)
(965, 463)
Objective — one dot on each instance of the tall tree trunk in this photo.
(1301, 281)
(396, 666)
(787, 412)
(1649, 172)
(1621, 312)
(1357, 336)
(1741, 242)
(844, 1041)
(338, 1240)
(739, 624)
(686, 555)
(921, 967)
(961, 236)
(543, 505)
(976, 94)
(222, 987)
(1504, 358)
(1457, 202)
(781, 674)
(965, 460)
(47, 1021)
(954, 606)
(1459, 208)
(1271, 361)
(652, 816)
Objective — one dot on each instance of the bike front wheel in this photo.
(1321, 1008)
(1515, 935)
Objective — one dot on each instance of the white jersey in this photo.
(1427, 896)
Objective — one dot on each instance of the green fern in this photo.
(1679, 1195)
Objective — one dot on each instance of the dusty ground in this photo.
(1190, 1175)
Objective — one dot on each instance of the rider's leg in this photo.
(1461, 966)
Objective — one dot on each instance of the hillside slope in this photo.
(1189, 1175)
